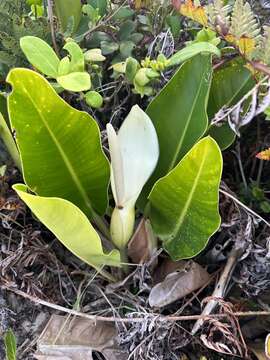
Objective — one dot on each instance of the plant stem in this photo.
(124, 260)
(9, 142)
(107, 275)
(50, 16)
(101, 225)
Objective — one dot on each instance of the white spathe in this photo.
(134, 156)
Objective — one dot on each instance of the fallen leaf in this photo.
(142, 243)
(141, 4)
(69, 338)
(167, 267)
(196, 13)
(246, 45)
(188, 277)
(264, 155)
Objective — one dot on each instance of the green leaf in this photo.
(184, 203)
(40, 55)
(64, 66)
(69, 224)
(101, 5)
(77, 56)
(66, 9)
(192, 50)
(59, 145)
(75, 81)
(229, 85)
(174, 23)
(126, 29)
(178, 113)
(108, 47)
(223, 135)
(34, 2)
(123, 13)
(126, 48)
(9, 142)
(10, 345)
(267, 113)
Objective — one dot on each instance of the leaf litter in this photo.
(28, 249)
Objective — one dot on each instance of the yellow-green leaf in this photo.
(60, 146)
(40, 54)
(184, 203)
(75, 81)
(69, 224)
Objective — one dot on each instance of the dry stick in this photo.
(129, 320)
(244, 206)
(223, 282)
(50, 15)
(221, 286)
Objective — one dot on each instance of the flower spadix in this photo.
(134, 154)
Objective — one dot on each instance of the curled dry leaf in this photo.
(185, 278)
(142, 243)
(69, 338)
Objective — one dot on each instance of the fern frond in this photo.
(218, 13)
(15, 23)
(243, 22)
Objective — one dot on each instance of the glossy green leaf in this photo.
(229, 85)
(59, 145)
(77, 56)
(10, 345)
(67, 9)
(9, 142)
(40, 54)
(69, 224)
(75, 81)
(178, 113)
(184, 203)
(223, 135)
(193, 50)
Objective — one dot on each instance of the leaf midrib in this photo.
(179, 146)
(190, 196)
(68, 164)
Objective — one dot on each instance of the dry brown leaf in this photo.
(142, 243)
(69, 338)
(167, 267)
(186, 278)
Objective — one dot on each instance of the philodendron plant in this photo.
(161, 165)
